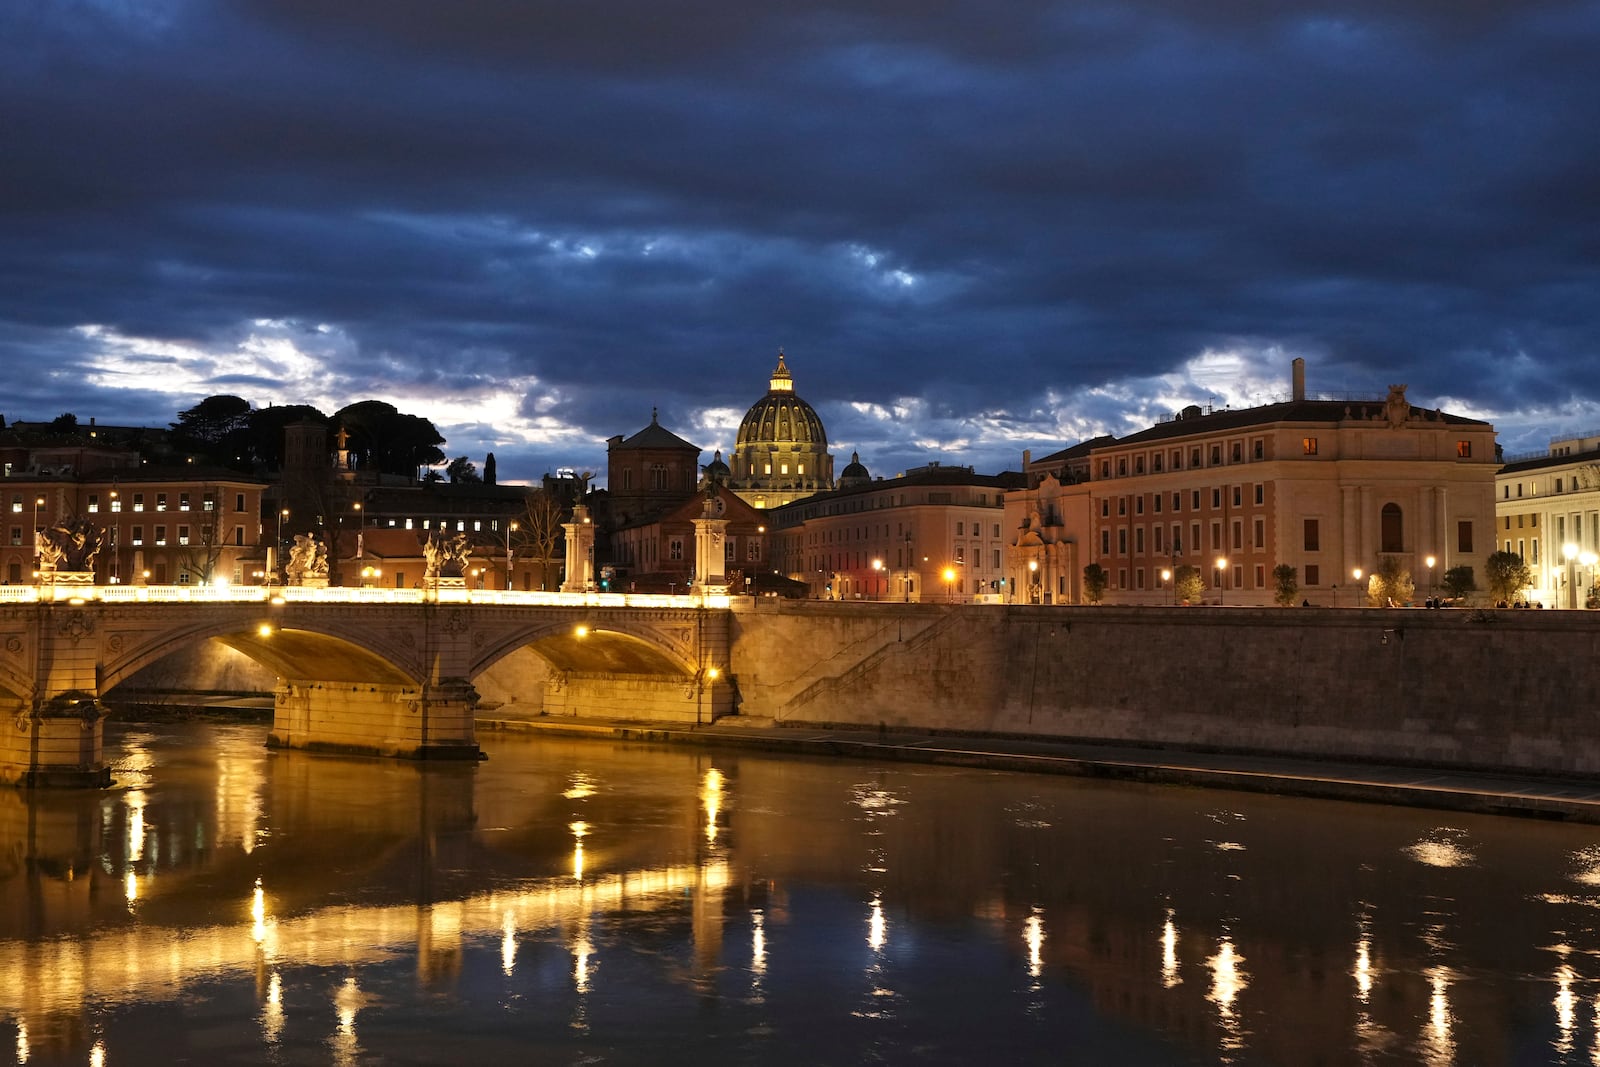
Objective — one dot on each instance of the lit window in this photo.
(1308, 445)
(1463, 449)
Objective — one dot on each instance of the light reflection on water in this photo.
(625, 904)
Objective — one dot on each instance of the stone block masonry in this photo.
(1487, 690)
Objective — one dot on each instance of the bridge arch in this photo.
(301, 650)
(601, 647)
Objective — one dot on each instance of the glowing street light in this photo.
(1430, 561)
(361, 531)
(1166, 576)
(1356, 574)
(950, 584)
(877, 574)
(1222, 579)
(38, 502)
(510, 527)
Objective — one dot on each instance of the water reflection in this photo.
(586, 897)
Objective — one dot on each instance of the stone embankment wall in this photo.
(1511, 690)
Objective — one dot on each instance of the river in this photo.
(590, 902)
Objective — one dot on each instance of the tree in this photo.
(1188, 583)
(66, 422)
(488, 469)
(461, 471)
(1458, 582)
(216, 427)
(539, 534)
(1390, 582)
(1507, 574)
(1095, 580)
(203, 550)
(386, 440)
(1285, 584)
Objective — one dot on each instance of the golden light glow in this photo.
(508, 944)
(711, 797)
(580, 830)
(22, 1042)
(272, 1010)
(1566, 1005)
(1169, 953)
(258, 914)
(130, 887)
(1363, 970)
(580, 631)
(1439, 1047)
(712, 673)
(264, 630)
(97, 1055)
(758, 943)
(1033, 937)
(877, 926)
(1228, 980)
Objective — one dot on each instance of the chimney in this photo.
(1299, 366)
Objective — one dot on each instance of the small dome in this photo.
(717, 470)
(855, 473)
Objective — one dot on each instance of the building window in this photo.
(94, 503)
(752, 551)
(1105, 468)
(1308, 446)
(238, 535)
(1138, 464)
(161, 502)
(1122, 541)
(161, 535)
(1138, 540)
(1463, 537)
(183, 535)
(1313, 574)
(238, 502)
(1155, 462)
(1216, 536)
(1391, 529)
(1238, 452)
(1558, 487)
(138, 536)
(1261, 533)
(961, 528)
(183, 501)
(116, 504)
(1463, 449)
(1313, 535)
(1237, 496)
(1155, 498)
(16, 535)
(1261, 493)
(1177, 501)
(1122, 505)
(1216, 499)
(1105, 507)
(1216, 454)
(1138, 504)
(675, 548)
(1122, 467)
(209, 502)
(138, 502)
(1105, 542)
(1258, 448)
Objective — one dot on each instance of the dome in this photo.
(781, 452)
(855, 473)
(781, 417)
(717, 470)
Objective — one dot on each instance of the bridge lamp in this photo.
(712, 673)
(1356, 576)
(1222, 575)
(264, 630)
(580, 631)
(877, 574)
(950, 583)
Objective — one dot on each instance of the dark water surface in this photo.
(581, 902)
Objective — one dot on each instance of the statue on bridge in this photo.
(445, 554)
(307, 559)
(69, 546)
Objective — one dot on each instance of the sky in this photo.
(973, 228)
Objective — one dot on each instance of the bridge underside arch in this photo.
(593, 672)
(305, 654)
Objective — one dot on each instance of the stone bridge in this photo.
(378, 671)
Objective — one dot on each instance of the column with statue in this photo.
(710, 544)
(580, 551)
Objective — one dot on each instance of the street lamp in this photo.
(1166, 576)
(277, 544)
(1588, 559)
(950, 584)
(908, 566)
(1430, 561)
(1222, 580)
(1033, 581)
(361, 531)
(877, 575)
(510, 526)
(1356, 574)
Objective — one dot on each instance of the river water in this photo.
(584, 902)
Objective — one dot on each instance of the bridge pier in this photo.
(407, 721)
(57, 742)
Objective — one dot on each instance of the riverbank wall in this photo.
(1510, 691)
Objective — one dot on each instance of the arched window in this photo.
(1393, 532)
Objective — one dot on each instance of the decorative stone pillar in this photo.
(56, 743)
(580, 551)
(710, 547)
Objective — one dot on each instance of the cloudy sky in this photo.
(973, 227)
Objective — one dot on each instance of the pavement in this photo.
(1535, 796)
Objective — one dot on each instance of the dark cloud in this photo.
(974, 229)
